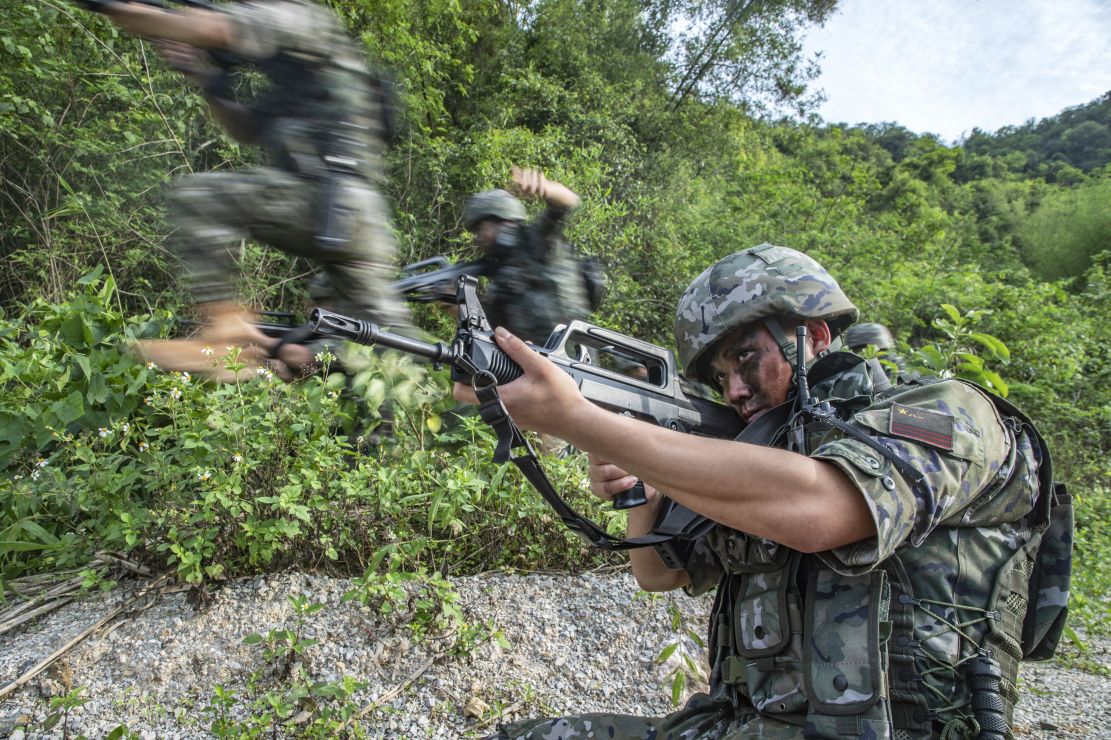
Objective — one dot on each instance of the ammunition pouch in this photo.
(340, 198)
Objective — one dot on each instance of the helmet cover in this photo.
(496, 203)
(757, 284)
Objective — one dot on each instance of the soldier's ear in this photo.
(819, 336)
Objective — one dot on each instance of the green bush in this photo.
(219, 480)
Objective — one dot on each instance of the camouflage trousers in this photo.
(701, 718)
(215, 211)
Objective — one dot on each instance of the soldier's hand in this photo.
(607, 480)
(188, 60)
(533, 183)
(545, 399)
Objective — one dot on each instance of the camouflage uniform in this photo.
(535, 281)
(870, 639)
(320, 98)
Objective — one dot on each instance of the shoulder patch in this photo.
(923, 425)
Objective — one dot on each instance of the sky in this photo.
(948, 66)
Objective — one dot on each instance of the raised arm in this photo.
(206, 29)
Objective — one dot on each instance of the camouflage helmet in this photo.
(492, 204)
(861, 335)
(764, 283)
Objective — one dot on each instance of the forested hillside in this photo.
(683, 148)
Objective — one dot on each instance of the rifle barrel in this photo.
(332, 324)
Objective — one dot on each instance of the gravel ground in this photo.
(572, 643)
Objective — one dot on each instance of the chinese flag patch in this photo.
(922, 425)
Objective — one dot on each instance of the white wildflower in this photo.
(237, 457)
(143, 447)
(104, 433)
(125, 427)
(151, 366)
(207, 352)
(41, 462)
(204, 476)
(175, 392)
(35, 474)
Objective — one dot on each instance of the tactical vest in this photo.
(884, 653)
(534, 285)
(322, 105)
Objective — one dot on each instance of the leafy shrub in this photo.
(218, 480)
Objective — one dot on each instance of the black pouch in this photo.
(1048, 604)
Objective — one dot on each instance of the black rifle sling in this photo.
(510, 438)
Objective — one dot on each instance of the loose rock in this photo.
(573, 643)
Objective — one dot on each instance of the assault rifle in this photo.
(583, 351)
(427, 281)
(434, 279)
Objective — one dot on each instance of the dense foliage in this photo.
(657, 129)
(1078, 138)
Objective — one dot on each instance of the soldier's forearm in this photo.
(559, 195)
(201, 28)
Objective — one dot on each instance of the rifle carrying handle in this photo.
(631, 497)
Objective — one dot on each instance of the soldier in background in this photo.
(859, 337)
(322, 124)
(535, 277)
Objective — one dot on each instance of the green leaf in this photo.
(997, 383)
(951, 310)
(69, 409)
(35, 530)
(94, 275)
(992, 344)
(677, 685)
(98, 390)
(667, 652)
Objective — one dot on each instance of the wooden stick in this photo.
(125, 564)
(16, 621)
(389, 694)
(45, 663)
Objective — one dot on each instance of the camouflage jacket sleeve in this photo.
(547, 233)
(263, 27)
(951, 433)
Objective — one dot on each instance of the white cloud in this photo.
(947, 66)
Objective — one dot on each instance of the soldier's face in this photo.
(749, 368)
(486, 232)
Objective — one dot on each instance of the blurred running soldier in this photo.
(323, 126)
